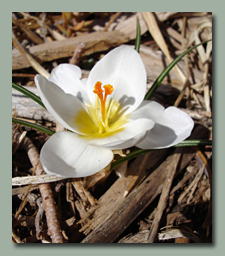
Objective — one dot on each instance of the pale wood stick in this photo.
(94, 42)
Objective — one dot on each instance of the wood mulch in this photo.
(163, 196)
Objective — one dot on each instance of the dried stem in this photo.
(29, 58)
(45, 190)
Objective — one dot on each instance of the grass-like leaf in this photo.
(160, 78)
(34, 126)
(194, 143)
(138, 36)
(138, 152)
(27, 93)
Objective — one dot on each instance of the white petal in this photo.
(69, 155)
(63, 107)
(124, 70)
(171, 125)
(67, 77)
(122, 144)
(133, 132)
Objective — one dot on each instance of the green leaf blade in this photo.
(138, 36)
(138, 152)
(165, 72)
(28, 93)
(34, 126)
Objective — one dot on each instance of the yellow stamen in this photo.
(98, 90)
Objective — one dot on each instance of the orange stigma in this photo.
(98, 90)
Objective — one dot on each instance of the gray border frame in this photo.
(216, 8)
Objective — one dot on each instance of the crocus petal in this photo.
(132, 133)
(171, 125)
(69, 155)
(63, 107)
(124, 70)
(67, 77)
(122, 144)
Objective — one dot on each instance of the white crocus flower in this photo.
(104, 112)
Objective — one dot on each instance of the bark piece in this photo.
(94, 42)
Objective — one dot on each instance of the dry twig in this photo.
(78, 54)
(114, 17)
(29, 58)
(45, 190)
(171, 170)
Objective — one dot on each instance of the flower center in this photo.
(104, 118)
(98, 90)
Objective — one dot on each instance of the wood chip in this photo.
(113, 213)
(178, 233)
